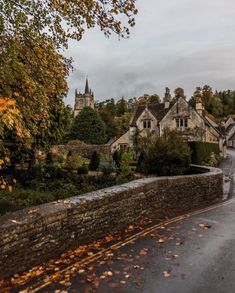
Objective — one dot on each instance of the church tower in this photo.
(83, 100)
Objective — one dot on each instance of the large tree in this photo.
(33, 72)
(111, 126)
(64, 19)
(88, 127)
(33, 77)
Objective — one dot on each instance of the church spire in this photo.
(87, 87)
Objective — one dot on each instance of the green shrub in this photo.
(107, 165)
(51, 171)
(73, 162)
(202, 151)
(166, 155)
(59, 160)
(140, 162)
(94, 162)
(125, 169)
(117, 155)
(83, 170)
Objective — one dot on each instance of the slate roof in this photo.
(221, 129)
(158, 110)
(230, 127)
(232, 137)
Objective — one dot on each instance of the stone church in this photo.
(173, 114)
(83, 100)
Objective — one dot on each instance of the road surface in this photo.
(193, 253)
(228, 168)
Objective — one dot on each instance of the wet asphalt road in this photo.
(228, 168)
(195, 254)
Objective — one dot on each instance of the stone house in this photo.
(173, 114)
(229, 131)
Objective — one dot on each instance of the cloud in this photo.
(178, 43)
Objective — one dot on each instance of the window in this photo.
(181, 122)
(123, 145)
(147, 124)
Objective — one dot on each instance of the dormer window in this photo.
(181, 122)
(147, 124)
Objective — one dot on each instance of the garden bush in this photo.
(126, 169)
(107, 165)
(202, 152)
(94, 162)
(73, 162)
(83, 170)
(117, 155)
(165, 156)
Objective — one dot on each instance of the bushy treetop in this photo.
(88, 127)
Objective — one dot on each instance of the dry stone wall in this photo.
(32, 236)
(85, 150)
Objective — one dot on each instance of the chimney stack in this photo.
(167, 98)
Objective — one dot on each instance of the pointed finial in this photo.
(87, 87)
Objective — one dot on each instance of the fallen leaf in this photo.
(166, 274)
(161, 240)
(143, 251)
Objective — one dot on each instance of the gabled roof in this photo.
(230, 127)
(211, 121)
(212, 124)
(228, 122)
(158, 110)
(232, 137)
(221, 129)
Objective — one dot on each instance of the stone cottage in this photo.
(174, 114)
(229, 131)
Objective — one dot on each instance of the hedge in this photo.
(201, 151)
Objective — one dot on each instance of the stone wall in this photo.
(31, 236)
(85, 150)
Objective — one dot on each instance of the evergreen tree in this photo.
(111, 107)
(88, 127)
(111, 125)
(154, 99)
(95, 161)
(121, 106)
(179, 92)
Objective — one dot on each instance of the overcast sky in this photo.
(184, 43)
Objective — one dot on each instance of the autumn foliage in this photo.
(64, 19)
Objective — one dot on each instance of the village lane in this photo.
(193, 255)
(228, 168)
